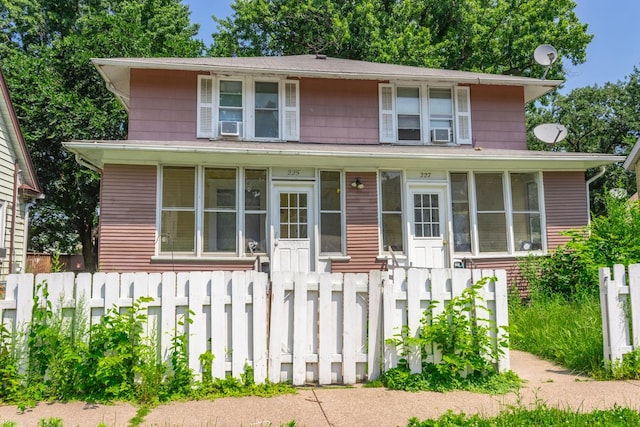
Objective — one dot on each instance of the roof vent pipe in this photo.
(320, 56)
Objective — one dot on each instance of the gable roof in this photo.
(30, 186)
(116, 71)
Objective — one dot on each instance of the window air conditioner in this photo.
(230, 128)
(441, 135)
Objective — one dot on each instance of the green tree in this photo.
(59, 96)
(494, 36)
(599, 119)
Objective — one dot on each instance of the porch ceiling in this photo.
(349, 157)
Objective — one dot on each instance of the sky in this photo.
(611, 55)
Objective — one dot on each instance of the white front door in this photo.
(292, 228)
(427, 226)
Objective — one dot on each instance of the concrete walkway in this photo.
(356, 406)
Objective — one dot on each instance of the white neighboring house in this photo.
(633, 164)
(19, 188)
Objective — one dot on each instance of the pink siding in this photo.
(362, 226)
(339, 111)
(163, 105)
(127, 224)
(565, 199)
(497, 117)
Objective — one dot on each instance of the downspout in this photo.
(589, 181)
(12, 233)
(28, 207)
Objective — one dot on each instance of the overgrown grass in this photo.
(541, 415)
(566, 332)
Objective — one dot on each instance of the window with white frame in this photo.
(178, 210)
(391, 211)
(248, 109)
(500, 226)
(202, 211)
(423, 114)
(330, 212)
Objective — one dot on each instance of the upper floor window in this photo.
(246, 109)
(424, 115)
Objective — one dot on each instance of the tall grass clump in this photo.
(561, 318)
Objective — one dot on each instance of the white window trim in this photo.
(343, 215)
(3, 223)
(390, 135)
(241, 252)
(248, 107)
(384, 253)
(512, 251)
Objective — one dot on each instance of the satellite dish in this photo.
(618, 193)
(545, 55)
(550, 132)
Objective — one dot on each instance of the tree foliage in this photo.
(45, 50)
(599, 119)
(493, 36)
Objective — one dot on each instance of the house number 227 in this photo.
(425, 174)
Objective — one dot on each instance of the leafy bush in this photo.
(464, 338)
(572, 270)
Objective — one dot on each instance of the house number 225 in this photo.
(293, 172)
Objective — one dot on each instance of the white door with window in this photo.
(427, 226)
(292, 228)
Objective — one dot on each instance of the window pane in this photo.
(440, 103)
(220, 189)
(391, 183)
(330, 191)
(460, 208)
(526, 230)
(230, 94)
(392, 232)
(255, 232)
(255, 190)
(230, 115)
(524, 192)
(330, 233)
(219, 232)
(492, 232)
(177, 231)
(266, 95)
(266, 124)
(408, 100)
(489, 192)
(178, 187)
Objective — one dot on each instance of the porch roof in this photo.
(116, 71)
(349, 157)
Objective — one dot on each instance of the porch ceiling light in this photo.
(357, 183)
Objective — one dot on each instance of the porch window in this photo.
(460, 209)
(526, 211)
(255, 211)
(177, 228)
(391, 221)
(219, 228)
(491, 215)
(266, 110)
(330, 212)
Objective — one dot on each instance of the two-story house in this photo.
(326, 164)
(19, 188)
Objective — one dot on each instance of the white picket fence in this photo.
(324, 328)
(620, 306)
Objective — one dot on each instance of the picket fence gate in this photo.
(325, 328)
(620, 307)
